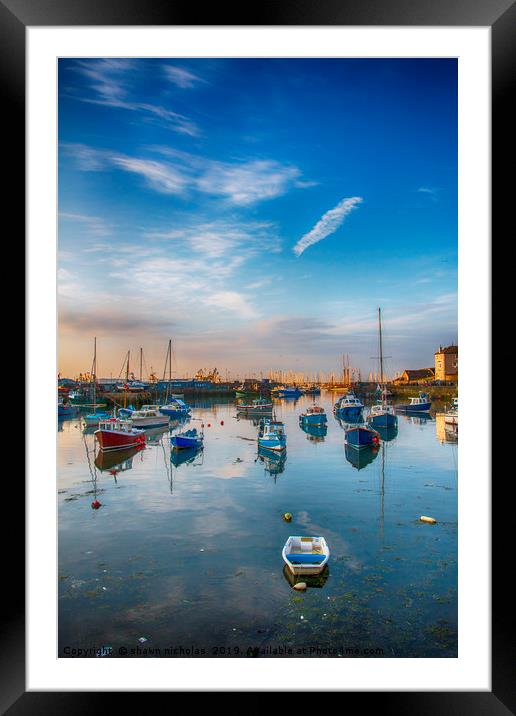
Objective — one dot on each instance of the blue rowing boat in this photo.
(188, 439)
(359, 436)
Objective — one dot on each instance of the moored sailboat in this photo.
(382, 415)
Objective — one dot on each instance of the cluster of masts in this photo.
(345, 378)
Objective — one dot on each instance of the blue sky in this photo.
(257, 211)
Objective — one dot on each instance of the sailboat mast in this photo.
(381, 348)
(127, 367)
(94, 372)
(141, 362)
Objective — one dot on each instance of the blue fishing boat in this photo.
(382, 416)
(175, 409)
(260, 405)
(271, 435)
(421, 404)
(313, 390)
(126, 412)
(94, 418)
(348, 406)
(288, 392)
(66, 410)
(359, 436)
(314, 415)
(187, 440)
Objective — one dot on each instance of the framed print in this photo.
(252, 250)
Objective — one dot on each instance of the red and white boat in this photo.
(116, 434)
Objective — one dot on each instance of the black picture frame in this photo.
(500, 16)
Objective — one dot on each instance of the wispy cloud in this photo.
(233, 302)
(94, 225)
(180, 77)
(327, 224)
(240, 183)
(110, 85)
(432, 193)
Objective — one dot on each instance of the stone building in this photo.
(447, 364)
(421, 375)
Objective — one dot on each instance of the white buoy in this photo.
(430, 520)
(300, 585)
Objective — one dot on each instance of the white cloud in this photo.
(233, 302)
(161, 177)
(181, 77)
(94, 225)
(110, 83)
(327, 224)
(240, 183)
(247, 182)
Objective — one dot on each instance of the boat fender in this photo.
(209, 425)
(222, 422)
(300, 586)
(430, 520)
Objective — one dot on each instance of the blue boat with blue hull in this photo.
(187, 440)
(290, 392)
(359, 436)
(348, 406)
(421, 404)
(271, 435)
(175, 409)
(314, 415)
(382, 416)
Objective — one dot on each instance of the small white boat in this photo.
(306, 555)
(148, 418)
(452, 416)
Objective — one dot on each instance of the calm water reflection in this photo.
(186, 552)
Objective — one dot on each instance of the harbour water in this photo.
(184, 558)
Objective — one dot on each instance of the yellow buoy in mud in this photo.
(287, 517)
(430, 520)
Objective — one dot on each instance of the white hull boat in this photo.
(306, 555)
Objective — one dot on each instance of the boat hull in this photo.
(420, 408)
(383, 420)
(91, 420)
(180, 442)
(320, 419)
(150, 422)
(171, 413)
(360, 437)
(349, 412)
(112, 440)
(272, 444)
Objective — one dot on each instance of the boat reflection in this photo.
(186, 456)
(361, 458)
(273, 462)
(117, 460)
(387, 434)
(314, 433)
(416, 418)
(154, 436)
(312, 581)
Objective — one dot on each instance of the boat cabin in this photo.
(113, 424)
